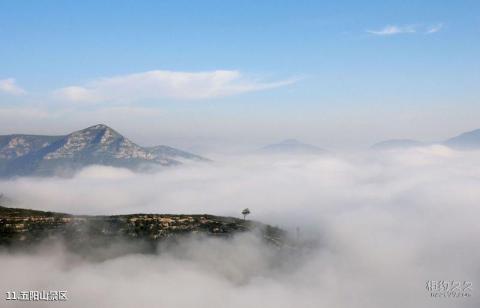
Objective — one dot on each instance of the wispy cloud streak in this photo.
(434, 29)
(9, 86)
(159, 84)
(391, 30)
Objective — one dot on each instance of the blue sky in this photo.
(293, 69)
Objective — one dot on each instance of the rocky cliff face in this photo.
(25, 228)
(99, 144)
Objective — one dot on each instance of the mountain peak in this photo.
(97, 134)
(98, 144)
(472, 133)
(467, 140)
(290, 142)
(98, 127)
(101, 126)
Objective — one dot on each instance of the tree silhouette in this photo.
(245, 212)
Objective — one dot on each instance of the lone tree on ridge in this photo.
(245, 212)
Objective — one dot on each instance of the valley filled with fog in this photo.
(383, 223)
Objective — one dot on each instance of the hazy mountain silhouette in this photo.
(99, 144)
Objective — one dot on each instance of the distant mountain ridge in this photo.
(291, 146)
(99, 144)
(396, 144)
(467, 140)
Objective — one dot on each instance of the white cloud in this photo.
(434, 28)
(9, 86)
(390, 30)
(166, 84)
(393, 30)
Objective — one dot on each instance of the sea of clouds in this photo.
(385, 223)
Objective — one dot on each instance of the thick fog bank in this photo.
(387, 223)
